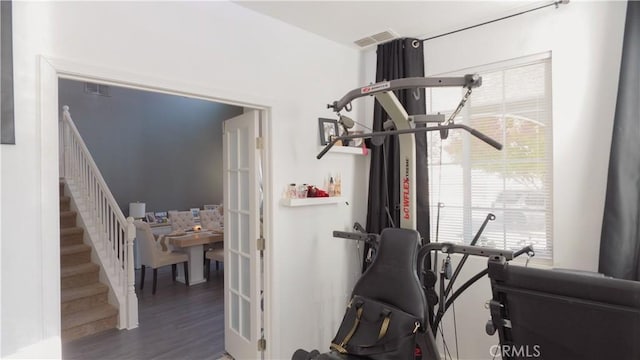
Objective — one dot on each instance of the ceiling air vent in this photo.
(376, 38)
(96, 89)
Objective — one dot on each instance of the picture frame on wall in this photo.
(7, 119)
(161, 216)
(150, 218)
(328, 128)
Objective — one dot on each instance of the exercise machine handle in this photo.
(482, 137)
(489, 217)
(487, 139)
(450, 248)
(367, 238)
(527, 249)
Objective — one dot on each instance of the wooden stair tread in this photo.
(74, 249)
(64, 198)
(67, 213)
(72, 270)
(86, 316)
(83, 291)
(71, 231)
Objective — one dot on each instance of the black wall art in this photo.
(7, 124)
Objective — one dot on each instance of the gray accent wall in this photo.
(160, 149)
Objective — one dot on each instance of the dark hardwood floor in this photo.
(175, 323)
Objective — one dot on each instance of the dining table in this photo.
(191, 243)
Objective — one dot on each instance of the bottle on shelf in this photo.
(291, 191)
(332, 187)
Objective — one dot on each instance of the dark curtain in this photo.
(397, 59)
(620, 240)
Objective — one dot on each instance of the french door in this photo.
(242, 268)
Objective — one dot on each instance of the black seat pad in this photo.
(392, 277)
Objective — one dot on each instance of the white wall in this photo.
(585, 39)
(235, 54)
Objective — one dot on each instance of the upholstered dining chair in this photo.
(181, 220)
(152, 255)
(217, 255)
(212, 219)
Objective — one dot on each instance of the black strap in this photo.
(388, 345)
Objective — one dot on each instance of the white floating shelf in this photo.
(348, 150)
(312, 201)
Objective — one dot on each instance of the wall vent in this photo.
(375, 39)
(96, 89)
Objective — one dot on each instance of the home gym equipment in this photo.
(389, 312)
(549, 314)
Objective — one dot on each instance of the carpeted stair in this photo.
(84, 306)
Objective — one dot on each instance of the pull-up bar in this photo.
(471, 130)
(467, 81)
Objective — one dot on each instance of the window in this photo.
(469, 179)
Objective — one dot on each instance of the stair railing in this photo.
(111, 233)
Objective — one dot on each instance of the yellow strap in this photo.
(353, 329)
(384, 327)
(338, 348)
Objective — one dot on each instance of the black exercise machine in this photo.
(395, 285)
(547, 314)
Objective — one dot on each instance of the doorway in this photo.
(51, 73)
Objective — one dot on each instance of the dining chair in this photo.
(212, 219)
(153, 256)
(217, 255)
(181, 220)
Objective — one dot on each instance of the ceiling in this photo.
(347, 21)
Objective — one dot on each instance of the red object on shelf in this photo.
(315, 192)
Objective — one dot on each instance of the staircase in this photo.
(84, 302)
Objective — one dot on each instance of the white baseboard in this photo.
(50, 348)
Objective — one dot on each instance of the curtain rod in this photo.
(555, 3)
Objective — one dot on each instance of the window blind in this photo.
(469, 179)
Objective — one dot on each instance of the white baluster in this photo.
(132, 299)
(61, 145)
